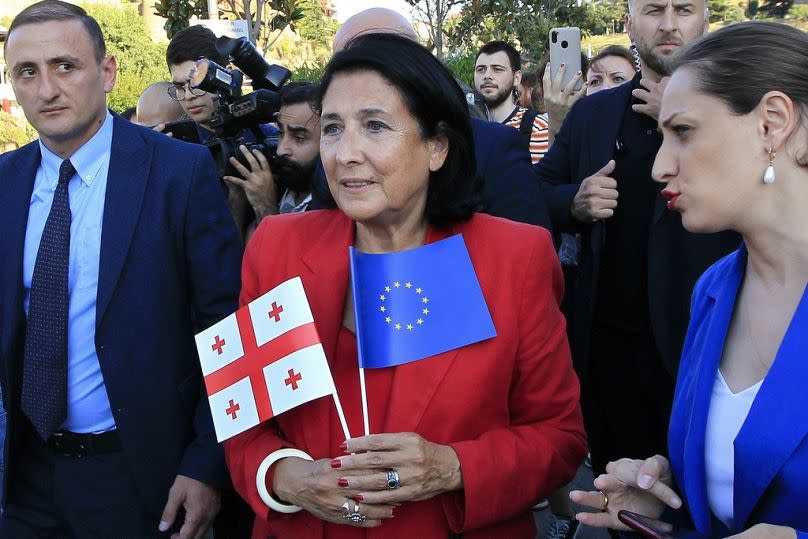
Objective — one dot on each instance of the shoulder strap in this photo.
(526, 125)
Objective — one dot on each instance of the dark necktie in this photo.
(44, 383)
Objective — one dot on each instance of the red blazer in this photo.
(508, 406)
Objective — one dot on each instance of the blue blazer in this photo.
(170, 263)
(510, 188)
(771, 450)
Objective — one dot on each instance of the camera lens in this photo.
(554, 36)
(564, 44)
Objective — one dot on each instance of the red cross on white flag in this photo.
(264, 359)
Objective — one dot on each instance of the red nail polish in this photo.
(342, 482)
(344, 446)
(359, 498)
(336, 463)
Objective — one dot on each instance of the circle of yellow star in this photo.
(382, 297)
(425, 311)
(397, 284)
(425, 300)
(388, 319)
(420, 321)
(382, 308)
(409, 326)
(398, 326)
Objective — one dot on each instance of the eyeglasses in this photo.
(179, 93)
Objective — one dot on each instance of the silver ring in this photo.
(352, 513)
(393, 481)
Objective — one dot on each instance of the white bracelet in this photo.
(261, 478)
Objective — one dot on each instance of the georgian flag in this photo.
(262, 360)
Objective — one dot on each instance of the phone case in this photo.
(565, 48)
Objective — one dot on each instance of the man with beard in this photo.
(497, 73)
(291, 173)
(638, 265)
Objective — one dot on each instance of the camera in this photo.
(235, 112)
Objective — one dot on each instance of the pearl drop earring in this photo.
(768, 176)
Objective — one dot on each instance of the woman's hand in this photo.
(257, 182)
(424, 469)
(557, 100)
(767, 531)
(643, 487)
(314, 486)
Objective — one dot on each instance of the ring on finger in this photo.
(605, 502)
(393, 480)
(352, 513)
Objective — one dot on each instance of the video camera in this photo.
(236, 113)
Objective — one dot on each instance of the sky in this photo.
(346, 8)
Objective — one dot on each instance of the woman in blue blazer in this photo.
(735, 156)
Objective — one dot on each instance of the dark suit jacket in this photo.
(170, 260)
(676, 258)
(518, 433)
(510, 189)
(771, 449)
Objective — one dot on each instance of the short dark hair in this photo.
(300, 92)
(740, 63)
(614, 50)
(193, 43)
(432, 96)
(56, 10)
(493, 47)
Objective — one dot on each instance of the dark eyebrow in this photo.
(297, 129)
(65, 59)
(363, 113)
(667, 121)
(51, 61)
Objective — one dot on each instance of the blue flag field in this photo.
(417, 303)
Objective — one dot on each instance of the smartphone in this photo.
(184, 130)
(647, 526)
(565, 48)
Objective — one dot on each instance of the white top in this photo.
(727, 414)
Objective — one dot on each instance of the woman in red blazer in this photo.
(472, 437)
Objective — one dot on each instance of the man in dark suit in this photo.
(118, 246)
(638, 264)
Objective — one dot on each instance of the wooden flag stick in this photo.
(364, 391)
(341, 415)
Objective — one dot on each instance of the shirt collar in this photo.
(87, 160)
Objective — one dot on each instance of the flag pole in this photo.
(341, 415)
(357, 321)
(363, 389)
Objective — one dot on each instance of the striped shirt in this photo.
(539, 136)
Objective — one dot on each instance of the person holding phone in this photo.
(734, 156)
(637, 264)
(497, 75)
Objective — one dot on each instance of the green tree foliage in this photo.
(775, 9)
(432, 14)
(607, 17)
(462, 66)
(527, 22)
(178, 13)
(140, 62)
(752, 9)
(314, 27)
(724, 11)
(14, 131)
(266, 19)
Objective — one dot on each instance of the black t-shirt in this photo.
(622, 301)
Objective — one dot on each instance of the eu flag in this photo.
(414, 304)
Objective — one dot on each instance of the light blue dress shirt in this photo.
(88, 408)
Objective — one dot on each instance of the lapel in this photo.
(777, 423)
(17, 182)
(721, 296)
(325, 280)
(129, 167)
